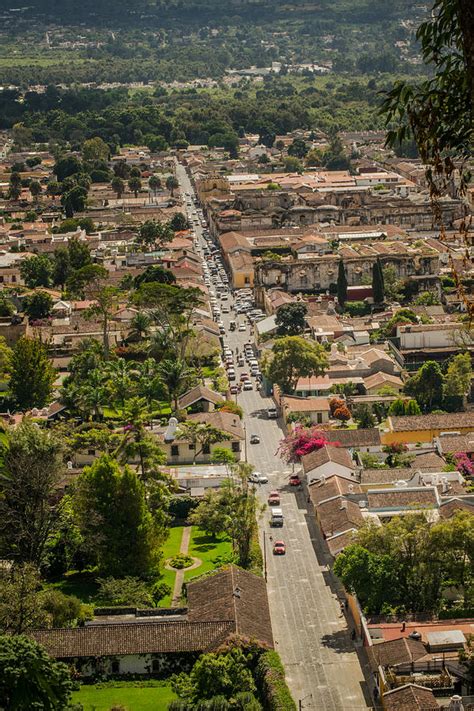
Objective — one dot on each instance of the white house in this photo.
(327, 461)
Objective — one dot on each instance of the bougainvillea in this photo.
(464, 465)
(301, 441)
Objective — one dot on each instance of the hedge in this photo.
(270, 677)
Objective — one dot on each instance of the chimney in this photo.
(343, 505)
(404, 624)
(456, 703)
(445, 485)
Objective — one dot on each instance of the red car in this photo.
(295, 480)
(279, 548)
(274, 498)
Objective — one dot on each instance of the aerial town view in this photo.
(236, 355)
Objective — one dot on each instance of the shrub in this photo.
(124, 591)
(160, 590)
(181, 506)
(270, 677)
(181, 561)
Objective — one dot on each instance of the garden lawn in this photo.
(81, 584)
(102, 697)
(169, 550)
(212, 552)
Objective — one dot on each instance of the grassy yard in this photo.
(101, 697)
(170, 549)
(81, 584)
(211, 552)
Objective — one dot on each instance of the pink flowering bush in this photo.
(301, 441)
(464, 465)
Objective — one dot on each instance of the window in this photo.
(236, 446)
(174, 450)
(1, 280)
(91, 452)
(191, 446)
(206, 449)
(115, 666)
(319, 417)
(247, 280)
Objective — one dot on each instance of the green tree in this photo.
(298, 148)
(154, 183)
(177, 378)
(457, 381)
(62, 266)
(32, 374)
(364, 417)
(36, 271)
(20, 601)
(95, 149)
(179, 222)
(154, 234)
(291, 319)
(139, 326)
(171, 184)
(426, 386)
(79, 253)
(378, 290)
(38, 305)
(210, 514)
(74, 200)
(118, 186)
(135, 185)
(35, 189)
(114, 519)
(30, 679)
(124, 591)
(291, 164)
(341, 284)
(293, 358)
(29, 508)
(369, 575)
(67, 166)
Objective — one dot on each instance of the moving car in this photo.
(295, 480)
(257, 478)
(242, 327)
(234, 389)
(279, 548)
(248, 385)
(272, 413)
(273, 498)
(254, 439)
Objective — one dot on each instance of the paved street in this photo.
(312, 637)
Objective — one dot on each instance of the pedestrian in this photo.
(308, 499)
(353, 635)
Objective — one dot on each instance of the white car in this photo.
(242, 327)
(258, 478)
(247, 385)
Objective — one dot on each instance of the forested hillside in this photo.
(46, 41)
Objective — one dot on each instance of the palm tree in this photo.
(140, 326)
(176, 376)
(91, 395)
(171, 184)
(154, 184)
(149, 384)
(120, 380)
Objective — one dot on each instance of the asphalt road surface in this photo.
(312, 636)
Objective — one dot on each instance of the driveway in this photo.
(311, 635)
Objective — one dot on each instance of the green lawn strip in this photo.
(169, 550)
(210, 551)
(155, 696)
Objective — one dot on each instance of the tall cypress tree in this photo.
(378, 287)
(341, 284)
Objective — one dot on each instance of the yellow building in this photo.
(423, 428)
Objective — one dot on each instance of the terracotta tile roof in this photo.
(305, 404)
(396, 651)
(457, 443)
(381, 379)
(394, 499)
(330, 487)
(226, 421)
(385, 476)
(233, 594)
(410, 697)
(451, 507)
(338, 515)
(447, 422)
(326, 454)
(134, 638)
(355, 438)
(199, 393)
(428, 461)
(337, 543)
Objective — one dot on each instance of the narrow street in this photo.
(311, 635)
